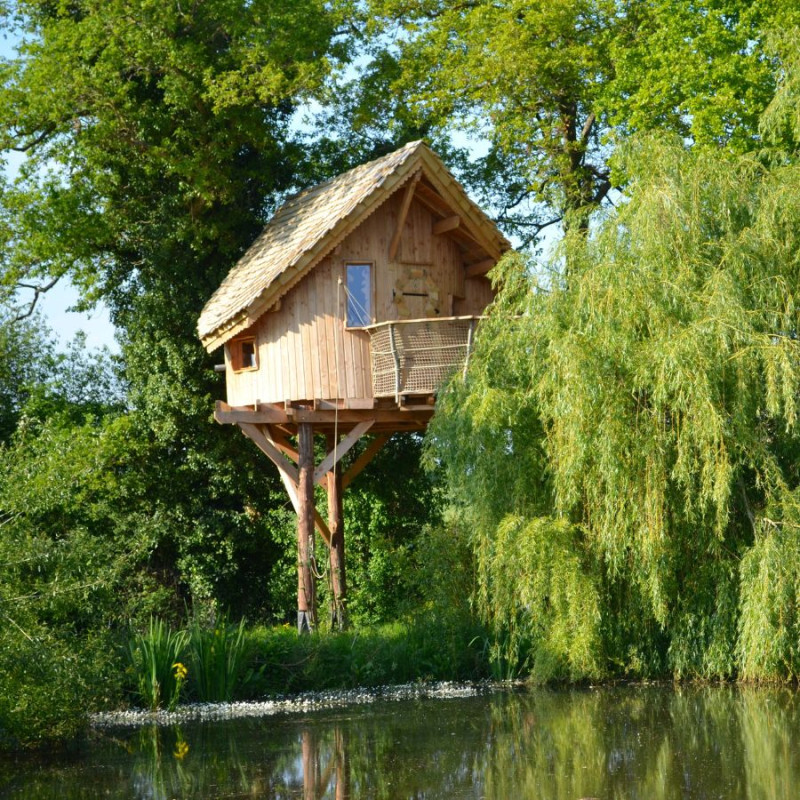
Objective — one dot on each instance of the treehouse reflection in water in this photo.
(653, 743)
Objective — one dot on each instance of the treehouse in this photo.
(342, 319)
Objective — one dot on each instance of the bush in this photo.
(44, 694)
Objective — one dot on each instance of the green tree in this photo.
(553, 87)
(157, 140)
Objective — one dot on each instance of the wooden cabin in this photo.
(343, 318)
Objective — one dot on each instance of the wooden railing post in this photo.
(396, 358)
(470, 332)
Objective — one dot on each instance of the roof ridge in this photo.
(365, 165)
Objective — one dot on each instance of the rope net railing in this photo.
(417, 356)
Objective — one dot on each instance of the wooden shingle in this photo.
(310, 224)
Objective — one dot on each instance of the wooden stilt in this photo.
(306, 595)
(336, 527)
(310, 756)
(342, 764)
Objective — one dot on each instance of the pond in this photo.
(631, 742)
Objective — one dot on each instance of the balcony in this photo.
(414, 357)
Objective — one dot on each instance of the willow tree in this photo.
(627, 447)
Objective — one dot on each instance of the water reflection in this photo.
(631, 743)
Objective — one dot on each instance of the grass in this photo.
(399, 652)
(230, 661)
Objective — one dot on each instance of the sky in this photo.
(96, 324)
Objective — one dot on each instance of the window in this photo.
(244, 354)
(359, 295)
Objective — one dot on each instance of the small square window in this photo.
(359, 295)
(244, 354)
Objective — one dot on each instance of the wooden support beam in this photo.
(264, 442)
(230, 415)
(288, 472)
(463, 233)
(446, 224)
(433, 200)
(281, 441)
(351, 403)
(358, 465)
(306, 589)
(340, 450)
(354, 417)
(346, 418)
(401, 219)
(479, 269)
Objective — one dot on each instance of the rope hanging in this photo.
(361, 310)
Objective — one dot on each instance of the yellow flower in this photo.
(181, 749)
(180, 671)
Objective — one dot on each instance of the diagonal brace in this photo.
(340, 450)
(288, 472)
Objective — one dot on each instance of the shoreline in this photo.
(300, 703)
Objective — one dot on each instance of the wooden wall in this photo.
(304, 350)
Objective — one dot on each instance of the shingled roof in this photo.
(310, 224)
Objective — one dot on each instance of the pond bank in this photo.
(303, 702)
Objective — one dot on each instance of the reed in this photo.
(219, 659)
(157, 660)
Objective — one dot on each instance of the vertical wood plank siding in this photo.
(297, 350)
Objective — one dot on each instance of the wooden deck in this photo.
(386, 416)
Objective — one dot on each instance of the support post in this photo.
(310, 756)
(306, 594)
(343, 783)
(336, 527)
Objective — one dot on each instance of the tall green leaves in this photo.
(653, 398)
(156, 661)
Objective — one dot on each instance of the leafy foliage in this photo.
(385, 519)
(551, 88)
(646, 410)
